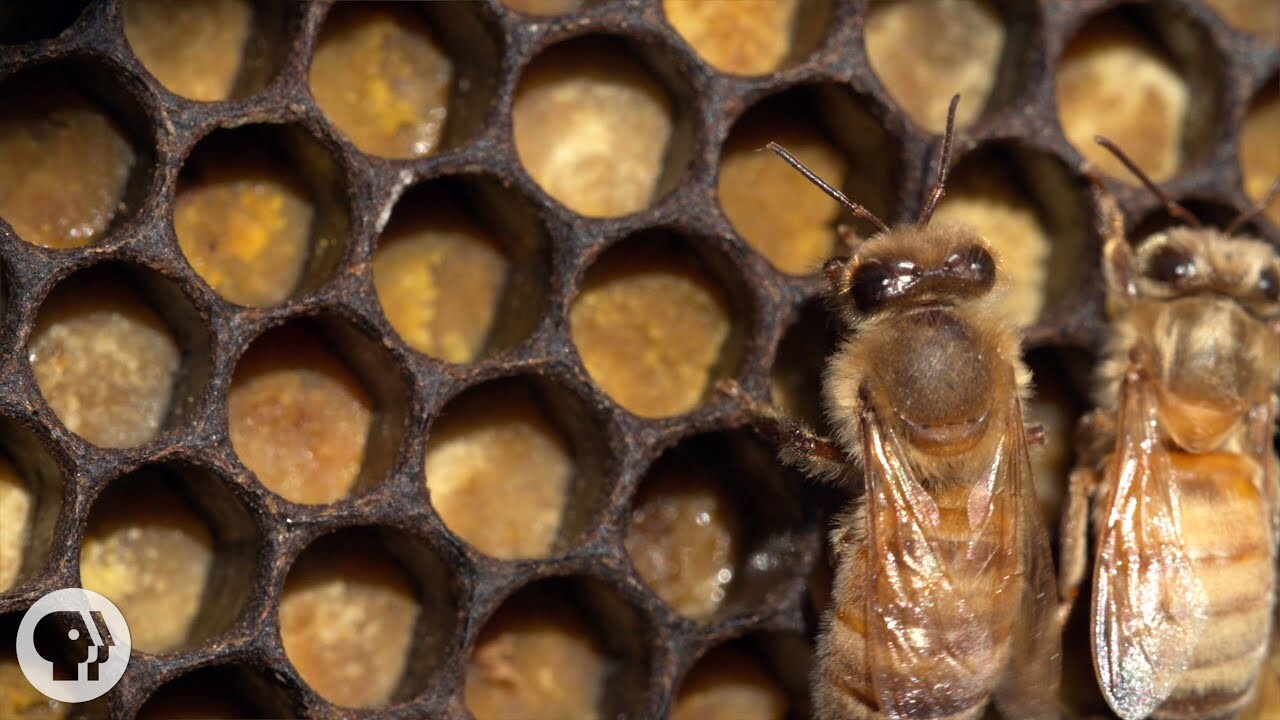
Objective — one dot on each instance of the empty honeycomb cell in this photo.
(31, 486)
(652, 326)
(1260, 145)
(545, 7)
(795, 381)
(513, 467)
(1139, 78)
(312, 423)
(740, 681)
(382, 75)
(260, 213)
(713, 521)
(748, 38)
(773, 207)
(1033, 213)
(195, 49)
(1260, 17)
(116, 365)
(926, 51)
(175, 550)
(558, 649)
(213, 693)
(25, 22)
(66, 156)
(461, 269)
(594, 126)
(380, 600)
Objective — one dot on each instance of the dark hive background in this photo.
(388, 331)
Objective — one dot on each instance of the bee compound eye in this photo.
(1170, 265)
(870, 286)
(973, 263)
(1268, 285)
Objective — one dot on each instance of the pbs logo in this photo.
(73, 645)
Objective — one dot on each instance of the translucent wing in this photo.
(937, 584)
(1029, 688)
(1148, 606)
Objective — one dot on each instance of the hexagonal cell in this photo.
(1029, 207)
(546, 7)
(223, 691)
(752, 37)
(602, 125)
(762, 677)
(381, 600)
(926, 51)
(260, 212)
(795, 381)
(774, 208)
(715, 525)
(461, 269)
(24, 22)
(1144, 79)
(516, 467)
(316, 410)
(176, 550)
(18, 697)
(561, 648)
(656, 324)
(119, 354)
(1260, 145)
(75, 154)
(429, 86)
(207, 49)
(1260, 17)
(31, 486)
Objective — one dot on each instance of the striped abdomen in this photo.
(1227, 532)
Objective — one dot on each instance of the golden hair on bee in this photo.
(1177, 471)
(943, 595)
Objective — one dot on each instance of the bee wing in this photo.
(930, 634)
(1148, 606)
(1029, 688)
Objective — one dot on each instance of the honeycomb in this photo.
(364, 353)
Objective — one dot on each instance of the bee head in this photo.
(1187, 261)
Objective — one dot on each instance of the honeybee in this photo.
(944, 591)
(1178, 462)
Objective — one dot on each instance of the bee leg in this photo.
(798, 445)
(1073, 539)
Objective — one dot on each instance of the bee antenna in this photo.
(944, 164)
(853, 207)
(1170, 205)
(1256, 210)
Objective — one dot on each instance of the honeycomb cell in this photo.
(1033, 213)
(545, 7)
(730, 683)
(106, 360)
(175, 550)
(195, 49)
(25, 22)
(795, 381)
(15, 517)
(750, 37)
(710, 529)
(260, 213)
(1260, 146)
(926, 51)
(593, 125)
(557, 649)
(66, 159)
(380, 600)
(380, 74)
(1213, 214)
(510, 467)
(31, 486)
(773, 207)
(1260, 17)
(226, 691)
(461, 269)
(299, 416)
(652, 325)
(1120, 79)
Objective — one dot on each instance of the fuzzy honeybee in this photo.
(1179, 464)
(943, 594)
